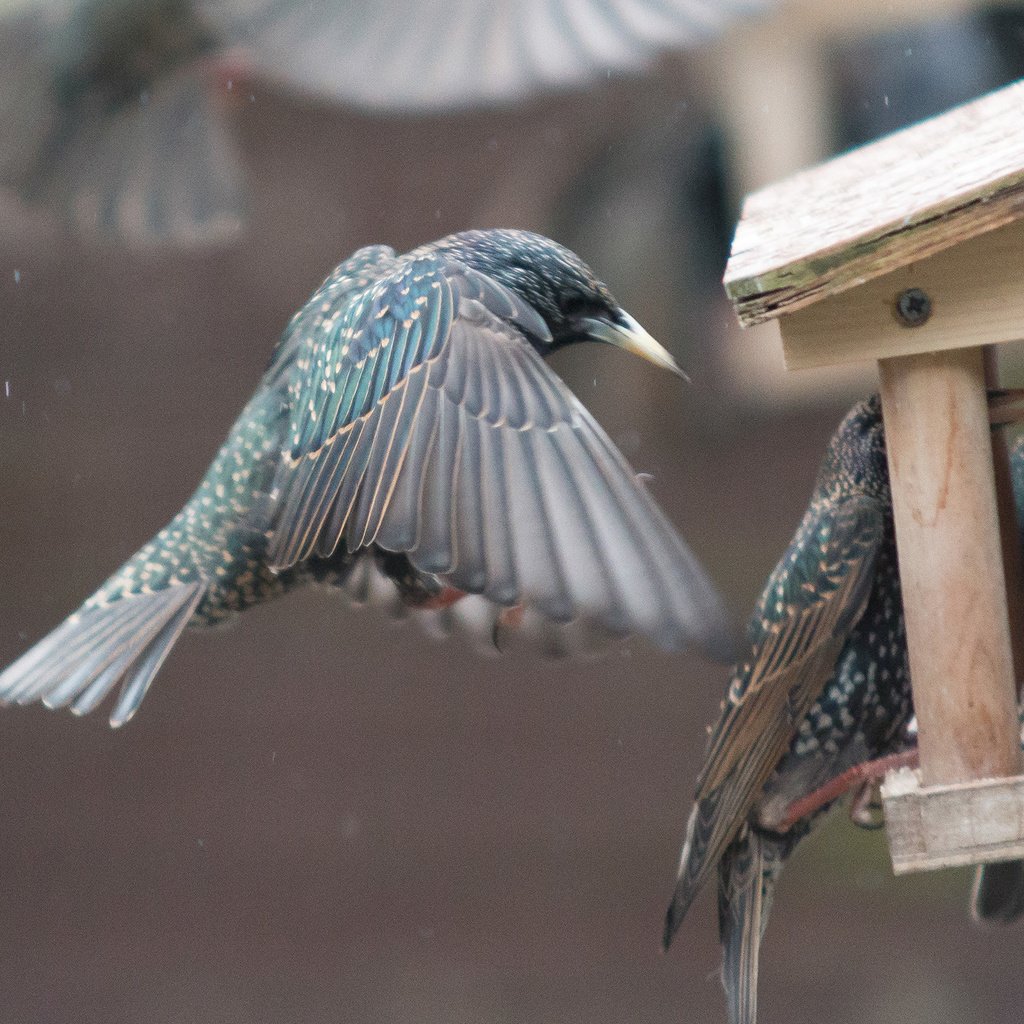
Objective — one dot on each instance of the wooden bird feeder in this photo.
(910, 252)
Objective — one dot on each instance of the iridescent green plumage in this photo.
(406, 420)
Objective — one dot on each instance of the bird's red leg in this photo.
(866, 773)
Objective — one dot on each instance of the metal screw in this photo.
(913, 307)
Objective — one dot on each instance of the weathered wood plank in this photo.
(879, 207)
(976, 299)
(948, 826)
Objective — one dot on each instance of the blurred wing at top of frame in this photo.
(441, 54)
(423, 421)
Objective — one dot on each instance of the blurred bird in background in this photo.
(109, 116)
(112, 111)
(407, 425)
(437, 55)
(824, 688)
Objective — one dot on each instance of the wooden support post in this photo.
(944, 505)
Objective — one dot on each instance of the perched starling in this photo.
(825, 686)
(406, 417)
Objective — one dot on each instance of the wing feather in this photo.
(399, 530)
(422, 56)
(773, 691)
(435, 549)
(477, 462)
(471, 571)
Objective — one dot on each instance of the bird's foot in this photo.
(866, 806)
(444, 598)
(510, 618)
(228, 70)
(864, 777)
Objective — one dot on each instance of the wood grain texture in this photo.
(876, 208)
(975, 291)
(951, 567)
(948, 826)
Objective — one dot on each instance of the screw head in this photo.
(913, 307)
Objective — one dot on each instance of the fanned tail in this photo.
(102, 644)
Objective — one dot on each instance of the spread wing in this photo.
(425, 422)
(818, 593)
(438, 54)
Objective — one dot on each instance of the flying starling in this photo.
(407, 418)
(824, 686)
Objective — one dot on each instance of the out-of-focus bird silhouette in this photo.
(111, 111)
(824, 686)
(407, 425)
(437, 55)
(109, 116)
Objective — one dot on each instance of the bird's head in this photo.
(574, 304)
(855, 462)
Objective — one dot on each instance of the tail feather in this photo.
(142, 669)
(83, 640)
(82, 660)
(747, 875)
(998, 894)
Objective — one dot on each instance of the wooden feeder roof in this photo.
(877, 208)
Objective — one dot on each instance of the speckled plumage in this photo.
(406, 424)
(824, 687)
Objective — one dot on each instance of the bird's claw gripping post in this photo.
(864, 776)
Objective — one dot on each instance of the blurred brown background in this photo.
(318, 816)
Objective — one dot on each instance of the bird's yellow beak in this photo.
(629, 335)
